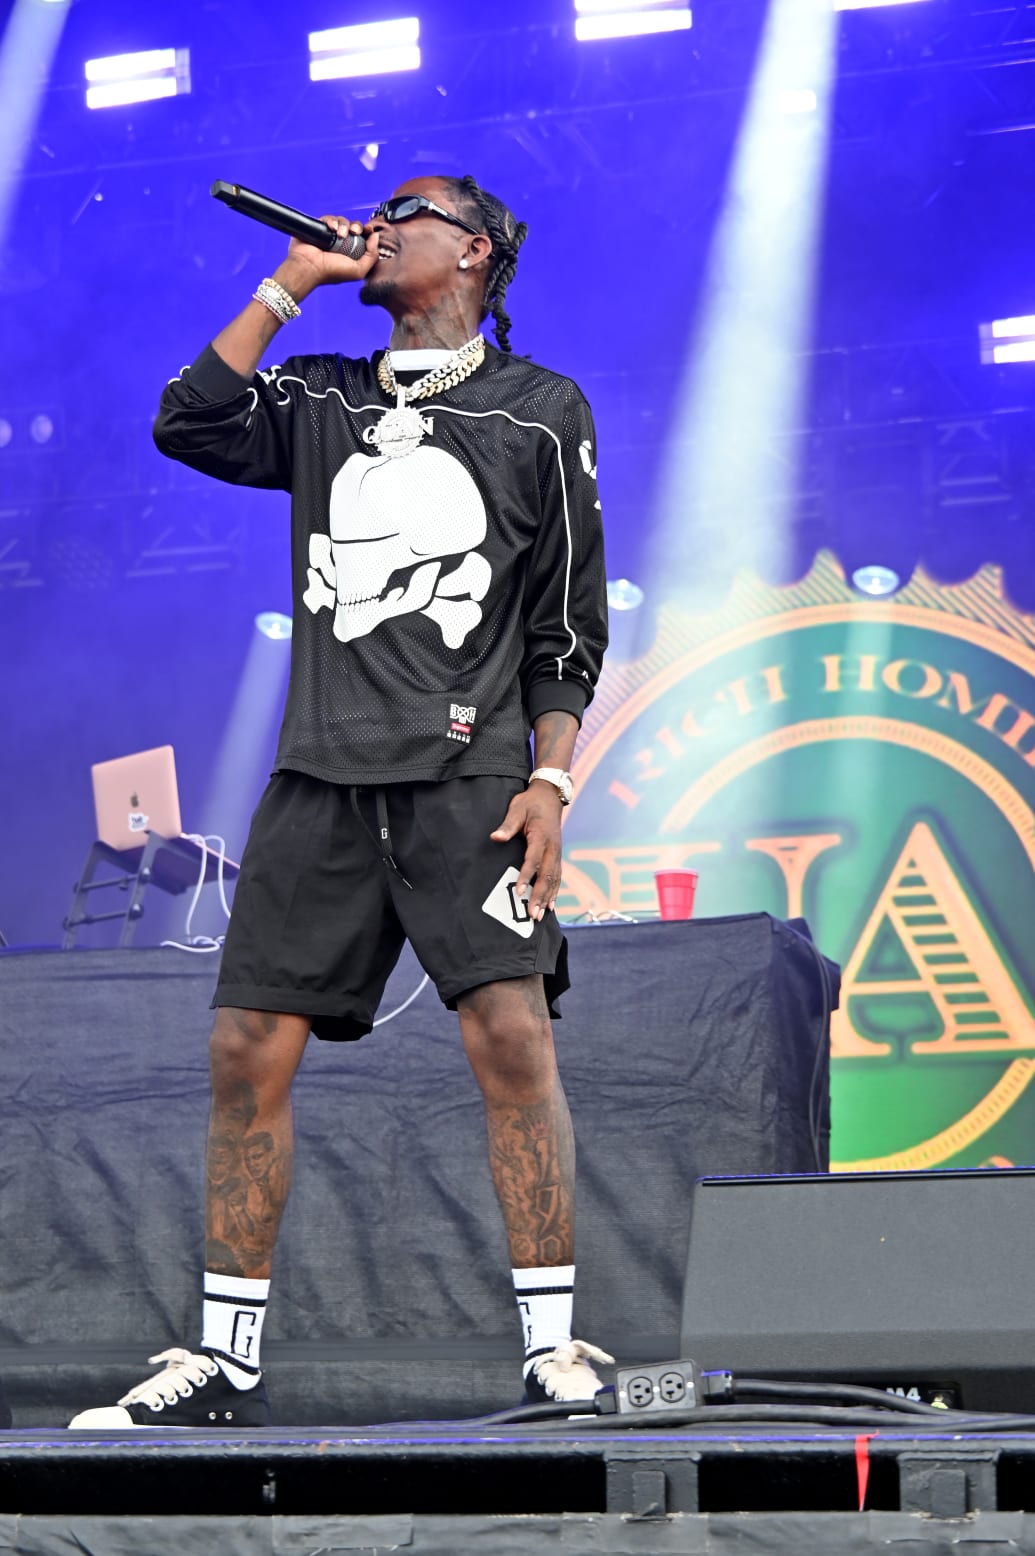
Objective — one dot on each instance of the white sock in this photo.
(544, 1299)
(231, 1325)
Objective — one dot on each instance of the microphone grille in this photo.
(353, 246)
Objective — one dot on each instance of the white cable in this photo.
(609, 916)
(195, 837)
(203, 944)
(405, 1004)
(214, 837)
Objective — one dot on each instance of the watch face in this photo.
(567, 789)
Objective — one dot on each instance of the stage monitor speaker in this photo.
(909, 1280)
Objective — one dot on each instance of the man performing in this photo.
(449, 596)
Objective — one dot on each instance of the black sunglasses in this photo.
(401, 207)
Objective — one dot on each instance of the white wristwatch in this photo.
(561, 781)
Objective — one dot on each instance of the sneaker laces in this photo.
(573, 1356)
(183, 1373)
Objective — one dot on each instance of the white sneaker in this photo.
(564, 1374)
(191, 1390)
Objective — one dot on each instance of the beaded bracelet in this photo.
(277, 299)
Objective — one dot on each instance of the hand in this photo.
(307, 266)
(536, 812)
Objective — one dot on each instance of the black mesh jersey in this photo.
(442, 599)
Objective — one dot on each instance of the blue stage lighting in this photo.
(867, 5)
(1009, 340)
(368, 49)
(876, 580)
(137, 78)
(627, 18)
(273, 624)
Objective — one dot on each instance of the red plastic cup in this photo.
(676, 890)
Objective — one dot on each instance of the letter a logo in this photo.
(926, 969)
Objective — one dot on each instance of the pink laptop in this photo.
(135, 795)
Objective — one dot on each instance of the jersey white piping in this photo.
(476, 416)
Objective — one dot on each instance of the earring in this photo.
(463, 264)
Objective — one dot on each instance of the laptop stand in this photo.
(173, 864)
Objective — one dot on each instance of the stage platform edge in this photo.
(444, 1490)
(681, 1534)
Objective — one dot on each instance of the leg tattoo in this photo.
(249, 1174)
(532, 1156)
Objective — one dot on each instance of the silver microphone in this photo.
(285, 219)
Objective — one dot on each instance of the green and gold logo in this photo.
(869, 765)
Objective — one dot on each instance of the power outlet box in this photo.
(658, 1388)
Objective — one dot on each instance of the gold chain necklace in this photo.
(460, 365)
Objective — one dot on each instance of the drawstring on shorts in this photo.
(382, 839)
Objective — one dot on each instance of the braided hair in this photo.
(507, 235)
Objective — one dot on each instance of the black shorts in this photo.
(324, 901)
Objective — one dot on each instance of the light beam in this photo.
(728, 480)
(246, 752)
(27, 52)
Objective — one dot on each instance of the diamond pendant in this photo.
(399, 431)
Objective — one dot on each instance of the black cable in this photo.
(887, 1413)
(959, 1421)
(775, 1418)
(547, 1411)
(571, 1418)
(527, 1415)
(719, 1419)
(849, 1392)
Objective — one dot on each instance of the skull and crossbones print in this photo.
(403, 538)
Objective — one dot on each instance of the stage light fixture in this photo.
(1008, 340)
(622, 595)
(368, 156)
(24, 431)
(876, 580)
(799, 100)
(626, 19)
(137, 78)
(627, 622)
(367, 49)
(274, 624)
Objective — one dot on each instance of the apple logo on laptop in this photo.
(137, 820)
